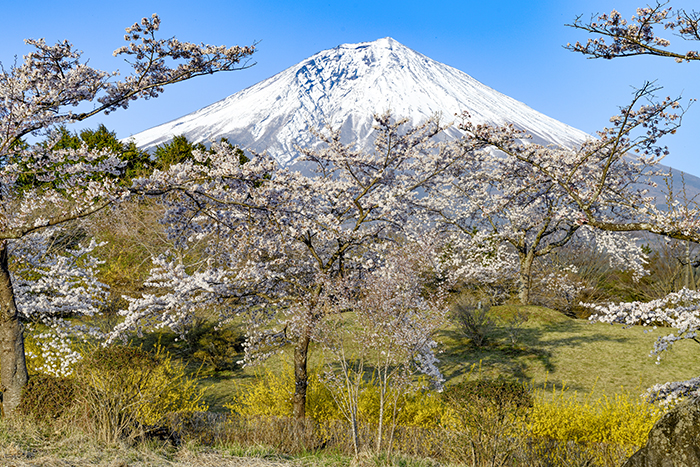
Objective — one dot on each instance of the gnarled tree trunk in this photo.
(525, 278)
(13, 368)
(301, 377)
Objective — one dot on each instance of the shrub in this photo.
(218, 347)
(261, 412)
(514, 325)
(270, 394)
(623, 420)
(477, 422)
(488, 418)
(425, 409)
(499, 394)
(473, 319)
(47, 397)
(126, 390)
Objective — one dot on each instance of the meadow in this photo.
(583, 383)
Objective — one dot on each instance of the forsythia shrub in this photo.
(270, 394)
(125, 388)
(624, 419)
(482, 410)
(425, 409)
(267, 395)
(487, 408)
(169, 390)
(421, 408)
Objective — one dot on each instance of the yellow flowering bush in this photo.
(168, 389)
(416, 408)
(270, 394)
(126, 388)
(492, 414)
(623, 419)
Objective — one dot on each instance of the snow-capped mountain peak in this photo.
(344, 87)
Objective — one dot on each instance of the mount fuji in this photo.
(344, 87)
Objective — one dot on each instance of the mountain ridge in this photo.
(344, 87)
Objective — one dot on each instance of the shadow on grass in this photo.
(533, 350)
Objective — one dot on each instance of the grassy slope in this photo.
(553, 348)
(587, 357)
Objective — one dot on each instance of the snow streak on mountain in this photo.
(344, 87)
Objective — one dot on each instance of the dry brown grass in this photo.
(276, 442)
(79, 451)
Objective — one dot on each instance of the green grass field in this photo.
(590, 358)
(587, 357)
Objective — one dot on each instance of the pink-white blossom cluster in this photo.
(679, 310)
(564, 285)
(480, 258)
(622, 249)
(671, 393)
(637, 37)
(55, 282)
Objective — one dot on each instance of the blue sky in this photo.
(514, 46)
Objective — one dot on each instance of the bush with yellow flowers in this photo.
(270, 394)
(487, 418)
(623, 419)
(125, 390)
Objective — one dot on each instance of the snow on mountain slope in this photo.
(344, 87)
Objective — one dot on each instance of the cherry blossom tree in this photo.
(519, 193)
(274, 236)
(637, 36)
(390, 335)
(507, 200)
(46, 90)
(536, 198)
(681, 219)
(606, 180)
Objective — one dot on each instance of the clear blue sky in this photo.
(513, 46)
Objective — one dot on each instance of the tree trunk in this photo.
(689, 276)
(13, 368)
(301, 379)
(525, 279)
